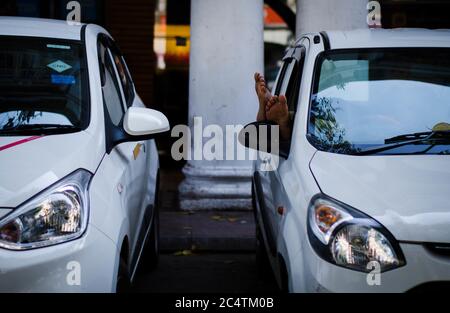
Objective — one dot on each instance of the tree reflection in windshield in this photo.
(15, 119)
(328, 133)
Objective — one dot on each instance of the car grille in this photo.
(439, 249)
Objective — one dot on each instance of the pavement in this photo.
(205, 273)
(202, 251)
(188, 231)
(207, 231)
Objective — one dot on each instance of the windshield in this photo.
(43, 85)
(363, 98)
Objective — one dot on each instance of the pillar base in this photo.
(216, 188)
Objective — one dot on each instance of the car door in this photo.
(130, 157)
(145, 174)
(267, 179)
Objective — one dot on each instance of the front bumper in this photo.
(317, 275)
(87, 264)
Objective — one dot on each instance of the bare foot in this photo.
(277, 111)
(263, 94)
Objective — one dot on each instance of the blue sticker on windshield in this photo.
(58, 47)
(63, 79)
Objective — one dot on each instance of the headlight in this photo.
(348, 238)
(57, 215)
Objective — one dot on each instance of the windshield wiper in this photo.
(419, 136)
(39, 128)
(407, 139)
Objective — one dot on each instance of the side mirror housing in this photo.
(264, 136)
(144, 122)
(138, 124)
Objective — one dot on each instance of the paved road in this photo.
(211, 273)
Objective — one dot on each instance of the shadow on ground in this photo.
(203, 251)
(205, 273)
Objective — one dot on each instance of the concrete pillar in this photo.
(318, 15)
(226, 49)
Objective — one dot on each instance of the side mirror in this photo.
(137, 124)
(264, 136)
(144, 122)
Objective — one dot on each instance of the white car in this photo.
(360, 198)
(78, 162)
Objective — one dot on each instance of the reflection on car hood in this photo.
(30, 164)
(409, 195)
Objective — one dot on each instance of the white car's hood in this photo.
(30, 164)
(409, 195)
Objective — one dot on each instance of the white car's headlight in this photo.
(58, 214)
(346, 237)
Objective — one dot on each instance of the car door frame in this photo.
(268, 187)
(147, 148)
(141, 228)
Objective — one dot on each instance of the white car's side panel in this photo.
(291, 185)
(124, 184)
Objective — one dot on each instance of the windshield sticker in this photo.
(63, 79)
(445, 127)
(59, 66)
(58, 47)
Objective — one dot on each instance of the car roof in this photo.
(38, 27)
(389, 38)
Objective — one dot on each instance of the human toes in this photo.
(258, 77)
(283, 100)
(272, 101)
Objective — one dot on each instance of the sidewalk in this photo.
(184, 232)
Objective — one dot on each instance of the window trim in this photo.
(294, 57)
(287, 75)
(102, 39)
(119, 83)
(114, 49)
(280, 79)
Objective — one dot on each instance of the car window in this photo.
(293, 88)
(290, 64)
(290, 86)
(43, 82)
(112, 95)
(280, 77)
(124, 75)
